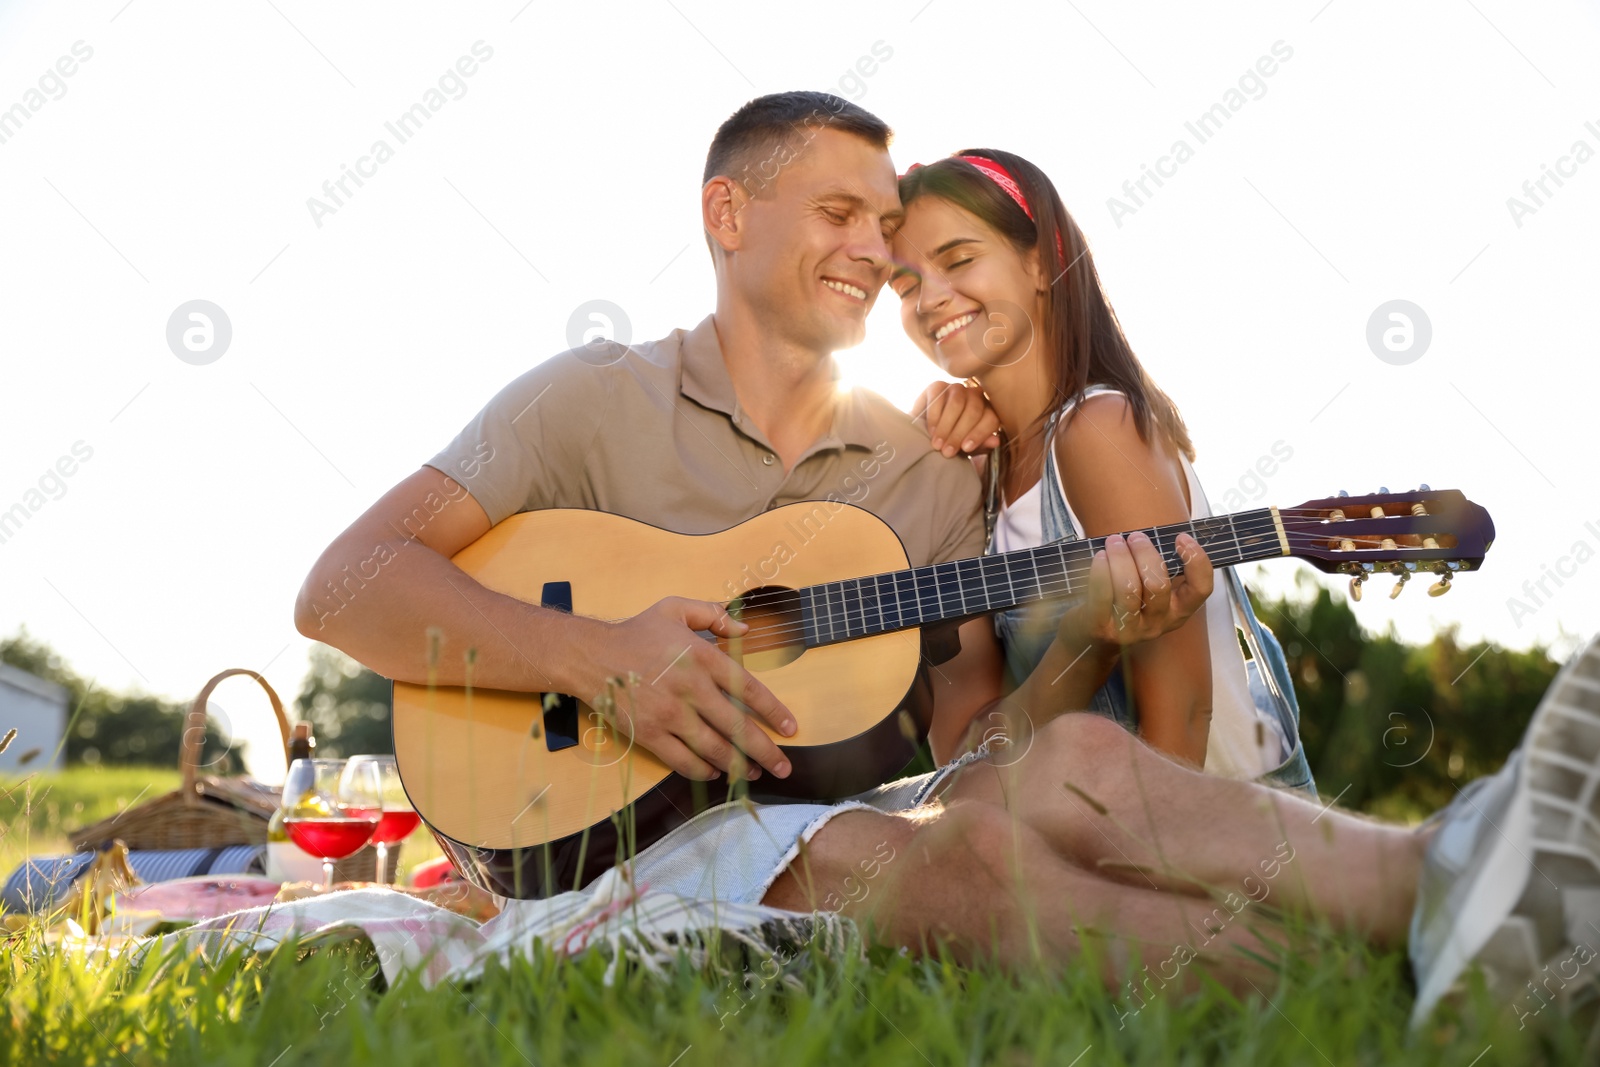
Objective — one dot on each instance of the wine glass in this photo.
(329, 813)
(399, 817)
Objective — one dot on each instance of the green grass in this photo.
(1348, 1008)
(1336, 1002)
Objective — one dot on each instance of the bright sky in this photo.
(175, 163)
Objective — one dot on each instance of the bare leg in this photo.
(1110, 804)
(973, 878)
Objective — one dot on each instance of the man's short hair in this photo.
(749, 146)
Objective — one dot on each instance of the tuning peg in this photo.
(1418, 509)
(1400, 585)
(1355, 586)
(1441, 587)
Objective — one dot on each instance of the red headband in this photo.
(1001, 177)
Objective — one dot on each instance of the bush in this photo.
(1401, 725)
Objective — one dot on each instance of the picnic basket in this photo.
(208, 811)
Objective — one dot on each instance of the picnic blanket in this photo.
(42, 882)
(611, 916)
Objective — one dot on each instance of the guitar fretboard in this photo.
(921, 596)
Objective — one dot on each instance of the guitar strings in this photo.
(1045, 586)
(1169, 557)
(1260, 524)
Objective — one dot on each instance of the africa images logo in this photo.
(405, 126)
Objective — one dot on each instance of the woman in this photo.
(997, 286)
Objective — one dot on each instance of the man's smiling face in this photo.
(814, 252)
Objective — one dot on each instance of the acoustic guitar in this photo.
(535, 793)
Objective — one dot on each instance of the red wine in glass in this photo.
(398, 818)
(329, 810)
(395, 825)
(331, 839)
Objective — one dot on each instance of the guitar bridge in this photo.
(561, 713)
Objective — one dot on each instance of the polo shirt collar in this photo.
(703, 375)
(703, 378)
(851, 422)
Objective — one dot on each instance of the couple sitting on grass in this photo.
(1163, 767)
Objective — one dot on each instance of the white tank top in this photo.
(1020, 524)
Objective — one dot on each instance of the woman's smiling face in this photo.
(967, 298)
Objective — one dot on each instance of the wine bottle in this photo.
(287, 861)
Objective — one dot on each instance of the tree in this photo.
(107, 727)
(348, 706)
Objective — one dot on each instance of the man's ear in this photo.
(722, 204)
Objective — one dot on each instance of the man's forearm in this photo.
(384, 620)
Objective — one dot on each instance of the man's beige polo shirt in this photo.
(655, 433)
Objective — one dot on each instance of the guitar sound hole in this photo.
(776, 635)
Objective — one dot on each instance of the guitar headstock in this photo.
(1435, 531)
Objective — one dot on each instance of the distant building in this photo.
(38, 710)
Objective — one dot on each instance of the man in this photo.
(1088, 830)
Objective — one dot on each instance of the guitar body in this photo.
(520, 789)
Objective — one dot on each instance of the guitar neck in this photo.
(942, 592)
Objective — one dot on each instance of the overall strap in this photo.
(1056, 521)
(991, 501)
(1060, 521)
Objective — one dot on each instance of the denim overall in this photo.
(1026, 632)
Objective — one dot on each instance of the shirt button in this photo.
(767, 459)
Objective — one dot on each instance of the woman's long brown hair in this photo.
(1083, 339)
